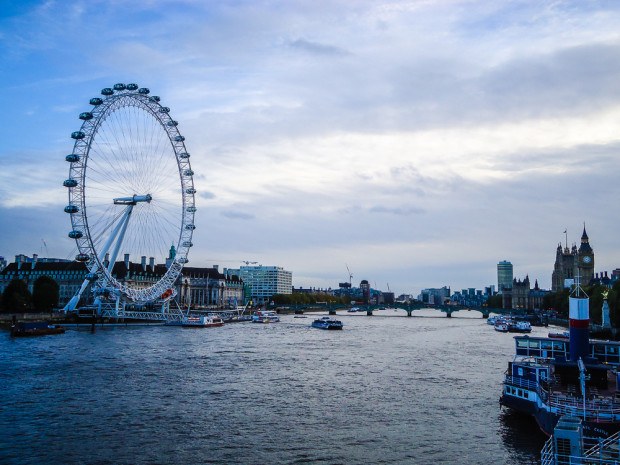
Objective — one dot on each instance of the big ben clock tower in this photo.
(585, 259)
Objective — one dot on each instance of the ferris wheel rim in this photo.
(123, 97)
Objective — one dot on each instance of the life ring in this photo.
(167, 293)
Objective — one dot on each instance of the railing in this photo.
(595, 409)
(521, 382)
(598, 452)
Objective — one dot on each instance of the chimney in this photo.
(18, 260)
(143, 262)
(152, 264)
(127, 260)
(34, 260)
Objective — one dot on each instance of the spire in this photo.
(584, 236)
(585, 247)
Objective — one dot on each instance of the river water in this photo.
(386, 389)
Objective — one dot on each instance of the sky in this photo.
(416, 143)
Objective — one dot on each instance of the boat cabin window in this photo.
(558, 345)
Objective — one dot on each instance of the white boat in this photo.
(198, 322)
(520, 327)
(265, 316)
(501, 326)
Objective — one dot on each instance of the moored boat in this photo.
(550, 377)
(520, 327)
(327, 322)
(501, 326)
(200, 322)
(35, 328)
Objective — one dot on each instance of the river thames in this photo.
(386, 390)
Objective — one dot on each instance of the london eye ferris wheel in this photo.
(131, 191)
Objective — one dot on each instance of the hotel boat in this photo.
(551, 377)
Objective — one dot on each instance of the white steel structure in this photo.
(131, 190)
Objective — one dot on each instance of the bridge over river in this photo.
(408, 308)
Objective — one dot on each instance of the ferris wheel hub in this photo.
(134, 199)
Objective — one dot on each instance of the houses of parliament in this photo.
(573, 263)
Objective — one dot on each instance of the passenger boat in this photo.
(327, 322)
(520, 327)
(550, 377)
(265, 316)
(35, 328)
(493, 319)
(501, 326)
(202, 322)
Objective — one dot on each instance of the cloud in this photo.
(407, 139)
(317, 48)
(237, 215)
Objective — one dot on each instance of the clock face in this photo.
(587, 259)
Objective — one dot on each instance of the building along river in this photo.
(388, 389)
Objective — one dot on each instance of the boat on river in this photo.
(35, 328)
(265, 316)
(202, 321)
(327, 322)
(520, 327)
(501, 326)
(551, 376)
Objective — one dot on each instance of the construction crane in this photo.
(350, 275)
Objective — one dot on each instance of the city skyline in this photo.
(417, 143)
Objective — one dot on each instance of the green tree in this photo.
(495, 301)
(45, 294)
(16, 297)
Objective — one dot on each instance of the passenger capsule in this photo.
(86, 116)
(70, 183)
(164, 110)
(92, 276)
(191, 209)
(154, 98)
(191, 227)
(132, 86)
(71, 209)
(96, 101)
(188, 173)
(179, 138)
(75, 234)
(190, 190)
(107, 91)
(172, 123)
(187, 244)
(184, 155)
(143, 90)
(77, 135)
(72, 158)
(82, 257)
(120, 86)
(182, 260)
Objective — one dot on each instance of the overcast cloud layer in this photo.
(417, 142)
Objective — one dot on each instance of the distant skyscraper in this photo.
(504, 275)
